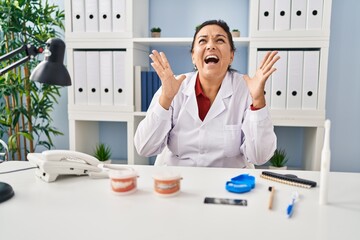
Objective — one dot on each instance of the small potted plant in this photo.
(235, 33)
(155, 32)
(102, 152)
(278, 160)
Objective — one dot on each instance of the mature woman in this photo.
(213, 116)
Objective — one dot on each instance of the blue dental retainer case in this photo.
(241, 184)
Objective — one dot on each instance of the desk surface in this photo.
(77, 207)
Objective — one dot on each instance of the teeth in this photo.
(211, 58)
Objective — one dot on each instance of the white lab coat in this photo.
(230, 134)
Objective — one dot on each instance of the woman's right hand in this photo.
(170, 83)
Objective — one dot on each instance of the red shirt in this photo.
(204, 102)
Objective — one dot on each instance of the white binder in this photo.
(106, 78)
(310, 79)
(118, 15)
(80, 88)
(298, 15)
(78, 16)
(260, 57)
(282, 15)
(120, 90)
(92, 16)
(294, 81)
(278, 83)
(105, 16)
(266, 15)
(93, 77)
(314, 14)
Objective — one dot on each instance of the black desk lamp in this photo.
(50, 71)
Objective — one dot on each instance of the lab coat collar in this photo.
(218, 105)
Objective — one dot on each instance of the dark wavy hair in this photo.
(219, 23)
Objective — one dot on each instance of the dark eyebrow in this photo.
(220, 35)
(217, 35)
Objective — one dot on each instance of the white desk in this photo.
(83, 208)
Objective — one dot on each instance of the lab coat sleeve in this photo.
(260, 138)
(152, 132)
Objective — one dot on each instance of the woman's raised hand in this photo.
(170, 83)
(256, 84)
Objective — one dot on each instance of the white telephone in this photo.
(52, 163)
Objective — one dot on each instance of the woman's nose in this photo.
(210, 46)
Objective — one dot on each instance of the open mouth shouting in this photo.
(211, 59)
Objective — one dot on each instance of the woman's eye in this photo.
(202, 41)
(221, 40)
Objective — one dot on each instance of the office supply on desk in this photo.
(240, 184)
(271, 199)
(77, 201)
(6, 192)
(290, 208)
(52, 163)
(325, 165)
(225, 201)
(289, 179)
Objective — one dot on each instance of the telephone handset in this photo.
(52, 163)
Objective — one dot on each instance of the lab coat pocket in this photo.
(232, 140)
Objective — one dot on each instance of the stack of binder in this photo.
(99, 77)
(98, 15)
(280, 15)
(150, 83)
(294, 85)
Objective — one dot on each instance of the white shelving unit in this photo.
(84, 119)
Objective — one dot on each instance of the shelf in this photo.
(186, 41)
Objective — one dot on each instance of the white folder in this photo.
(310, 79)
(106, 78)
(298, 15)
(105, 16)
(78, 15)
(282, 15)
(118, 15)
(314, 14)
(278, 83)
(92, 16)
(294, 81)
(93, 77)
(260, 57)
(120, 90)
(266, 15)
(80, 88)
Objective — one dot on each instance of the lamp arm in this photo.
(12, 53)
(14, 65)
(30, 50)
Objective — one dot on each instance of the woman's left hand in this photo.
(256, 84)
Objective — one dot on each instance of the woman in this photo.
(211, 117)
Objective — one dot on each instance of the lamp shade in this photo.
(52, 70)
